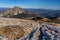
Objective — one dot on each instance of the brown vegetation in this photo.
(12, 32)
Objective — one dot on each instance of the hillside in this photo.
(20, 29)
(16, 24)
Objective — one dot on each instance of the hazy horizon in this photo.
(35, 4)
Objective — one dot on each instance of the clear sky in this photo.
(42, 4)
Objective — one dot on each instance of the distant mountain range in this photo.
(3, 9)
(39, 12)
(45, 12)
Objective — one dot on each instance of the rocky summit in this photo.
(20, 29)
(15, 12)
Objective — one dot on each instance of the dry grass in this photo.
(12, 32)
(8, 27)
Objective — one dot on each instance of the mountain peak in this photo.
(14, 12)
(17, 7)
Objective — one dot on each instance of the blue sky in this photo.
(42, 4)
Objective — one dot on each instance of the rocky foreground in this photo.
(20, 29)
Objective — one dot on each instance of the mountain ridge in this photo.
(40, 12)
